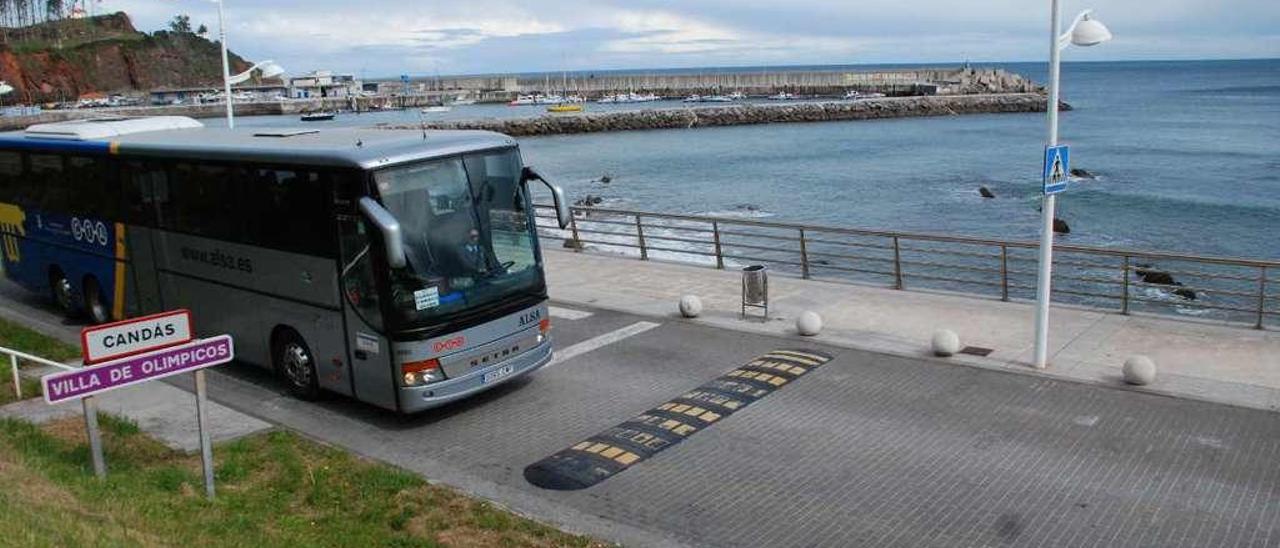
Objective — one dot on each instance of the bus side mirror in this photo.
(563, 213)
(386, 223)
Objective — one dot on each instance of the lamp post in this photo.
(1085, 31)
(269, 70)
(226, 65)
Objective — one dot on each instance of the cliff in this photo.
(63, 60)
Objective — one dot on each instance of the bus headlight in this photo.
(421, 372)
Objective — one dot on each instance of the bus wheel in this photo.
(93, 304)
(62, 292)
(296, 366)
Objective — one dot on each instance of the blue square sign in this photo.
(1057, 168)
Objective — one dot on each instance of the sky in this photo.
(380, 38)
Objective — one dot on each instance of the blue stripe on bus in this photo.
(32, 241)
(55, 145)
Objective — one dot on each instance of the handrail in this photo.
(927, 236)
(14, 355)
(1089, 275)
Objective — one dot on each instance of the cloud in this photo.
(388, 37)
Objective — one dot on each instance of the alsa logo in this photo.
(448, 344)
(530, 317)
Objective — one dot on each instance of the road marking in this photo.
(569, 313)
(601, 341)
(603, 455)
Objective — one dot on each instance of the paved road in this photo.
(864, 450)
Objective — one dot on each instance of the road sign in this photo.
(1057, 168)
(135, 336)
(157, 364)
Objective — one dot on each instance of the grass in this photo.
(22, 339)
(274, 489)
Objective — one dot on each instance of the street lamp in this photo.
(1085, 31)
(226, 65)
(269, 70)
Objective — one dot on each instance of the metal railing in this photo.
(15, 355)
(1233, 290)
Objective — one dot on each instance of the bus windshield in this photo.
(468, 235)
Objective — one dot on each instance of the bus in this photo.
(399, 268)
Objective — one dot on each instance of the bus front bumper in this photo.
(420, 398)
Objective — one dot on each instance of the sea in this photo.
(1186, 156)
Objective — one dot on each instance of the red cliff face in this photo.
(68, 59)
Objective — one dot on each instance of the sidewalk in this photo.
(1232, 365)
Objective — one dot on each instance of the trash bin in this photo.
(755, 288)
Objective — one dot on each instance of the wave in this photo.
(740, 213)
(1254, 90)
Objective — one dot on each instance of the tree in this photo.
(54, 9)
(181, 24)
(203, 30)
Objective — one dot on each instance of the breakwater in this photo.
(748, 113)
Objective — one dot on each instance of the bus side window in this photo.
(11, 175)
(47, 171)
(92, 187)
(143, 187)
(203, 201)
(288, 211)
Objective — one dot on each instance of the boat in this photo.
(695, 98)
(630, 97)
(436, 108)
(462, 102)
(854, 95)
(565, 107)
(536, 99)
(318, 116)
(783, 96)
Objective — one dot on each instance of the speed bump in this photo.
(603, 455)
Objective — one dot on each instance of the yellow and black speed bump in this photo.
(601, 456)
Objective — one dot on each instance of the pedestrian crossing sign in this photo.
(1057, 167)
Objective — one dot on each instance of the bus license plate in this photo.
(499, 373)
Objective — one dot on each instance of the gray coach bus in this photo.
(400, 268)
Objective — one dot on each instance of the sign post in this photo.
(90, 407)
(206, 446)
(135, 351)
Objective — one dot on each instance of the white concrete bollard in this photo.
(809, 323)
(690, 306)
(1139, 370)
(945, 343)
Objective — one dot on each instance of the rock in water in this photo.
(986, 192)
(1156, 277)
(1188, 294)
(1060, 226)
(1082, 173)
(606, 178)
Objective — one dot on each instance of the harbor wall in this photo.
(922, 81)
(742, 114)
(216, 110)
